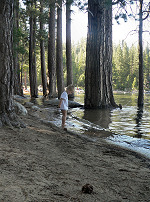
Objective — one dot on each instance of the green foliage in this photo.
(146, 64)
(134, 84)
(78, 59)
(125, 67)
(78, 63)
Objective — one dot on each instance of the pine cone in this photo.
(87, 188)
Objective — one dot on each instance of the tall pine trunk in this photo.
(17, 80)
(32, 54)
(7, 115)
(98, 72)
(42, 48)
(6, 59)
(51, 51)
(108, 54)
(59, 57)
(93, 77)
(68, 43)
(141, 89)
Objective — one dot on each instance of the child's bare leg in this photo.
(64, 116)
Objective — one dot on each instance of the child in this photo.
(63, 104)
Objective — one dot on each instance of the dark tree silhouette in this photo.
(143, 15)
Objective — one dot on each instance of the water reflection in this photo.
(138, 119)
(101, 117)
(129, 121)
(37, 101)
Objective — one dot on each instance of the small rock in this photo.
(1, 124)
(28, 104)
(20, 109)
(55, 102)
(35, 107)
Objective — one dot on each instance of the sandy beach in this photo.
(42, 163)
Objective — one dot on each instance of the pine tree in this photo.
(68, 43)
(42, 51)
(51, 51)
(32, 52)
(59, 55)
(7, 114)
(17, 80)
(98, 81)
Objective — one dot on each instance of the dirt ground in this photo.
(42, 163)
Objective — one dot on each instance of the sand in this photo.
(42, 163)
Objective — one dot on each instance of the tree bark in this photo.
(7, 115)
(43, 68)
(94, 43)
(32, 55)
(98, 72)
(51, 51)
(59, 57)
(17, 82)
(68, 43)
(141, 89)
(68, 46)
(108, 55)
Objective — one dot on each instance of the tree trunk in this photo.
(17, 82)
(68, 46)
(7, 115)
(141, 90)
(43, 68)
(32, 55)
(68, 43)
(108, 55)
(51, 52)
(59, 57)
(98, 72)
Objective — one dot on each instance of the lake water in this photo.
(130, 126)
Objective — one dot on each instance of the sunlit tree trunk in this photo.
(43, 67)
(51, 51)
(59, 57)
(68, 43)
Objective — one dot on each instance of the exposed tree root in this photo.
(11, 120)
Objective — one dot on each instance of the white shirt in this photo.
(64, 103)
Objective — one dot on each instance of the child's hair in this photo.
(70, 87)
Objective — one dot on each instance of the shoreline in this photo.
(52, 105)
(105, 134)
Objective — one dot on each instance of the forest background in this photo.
(124, 64)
